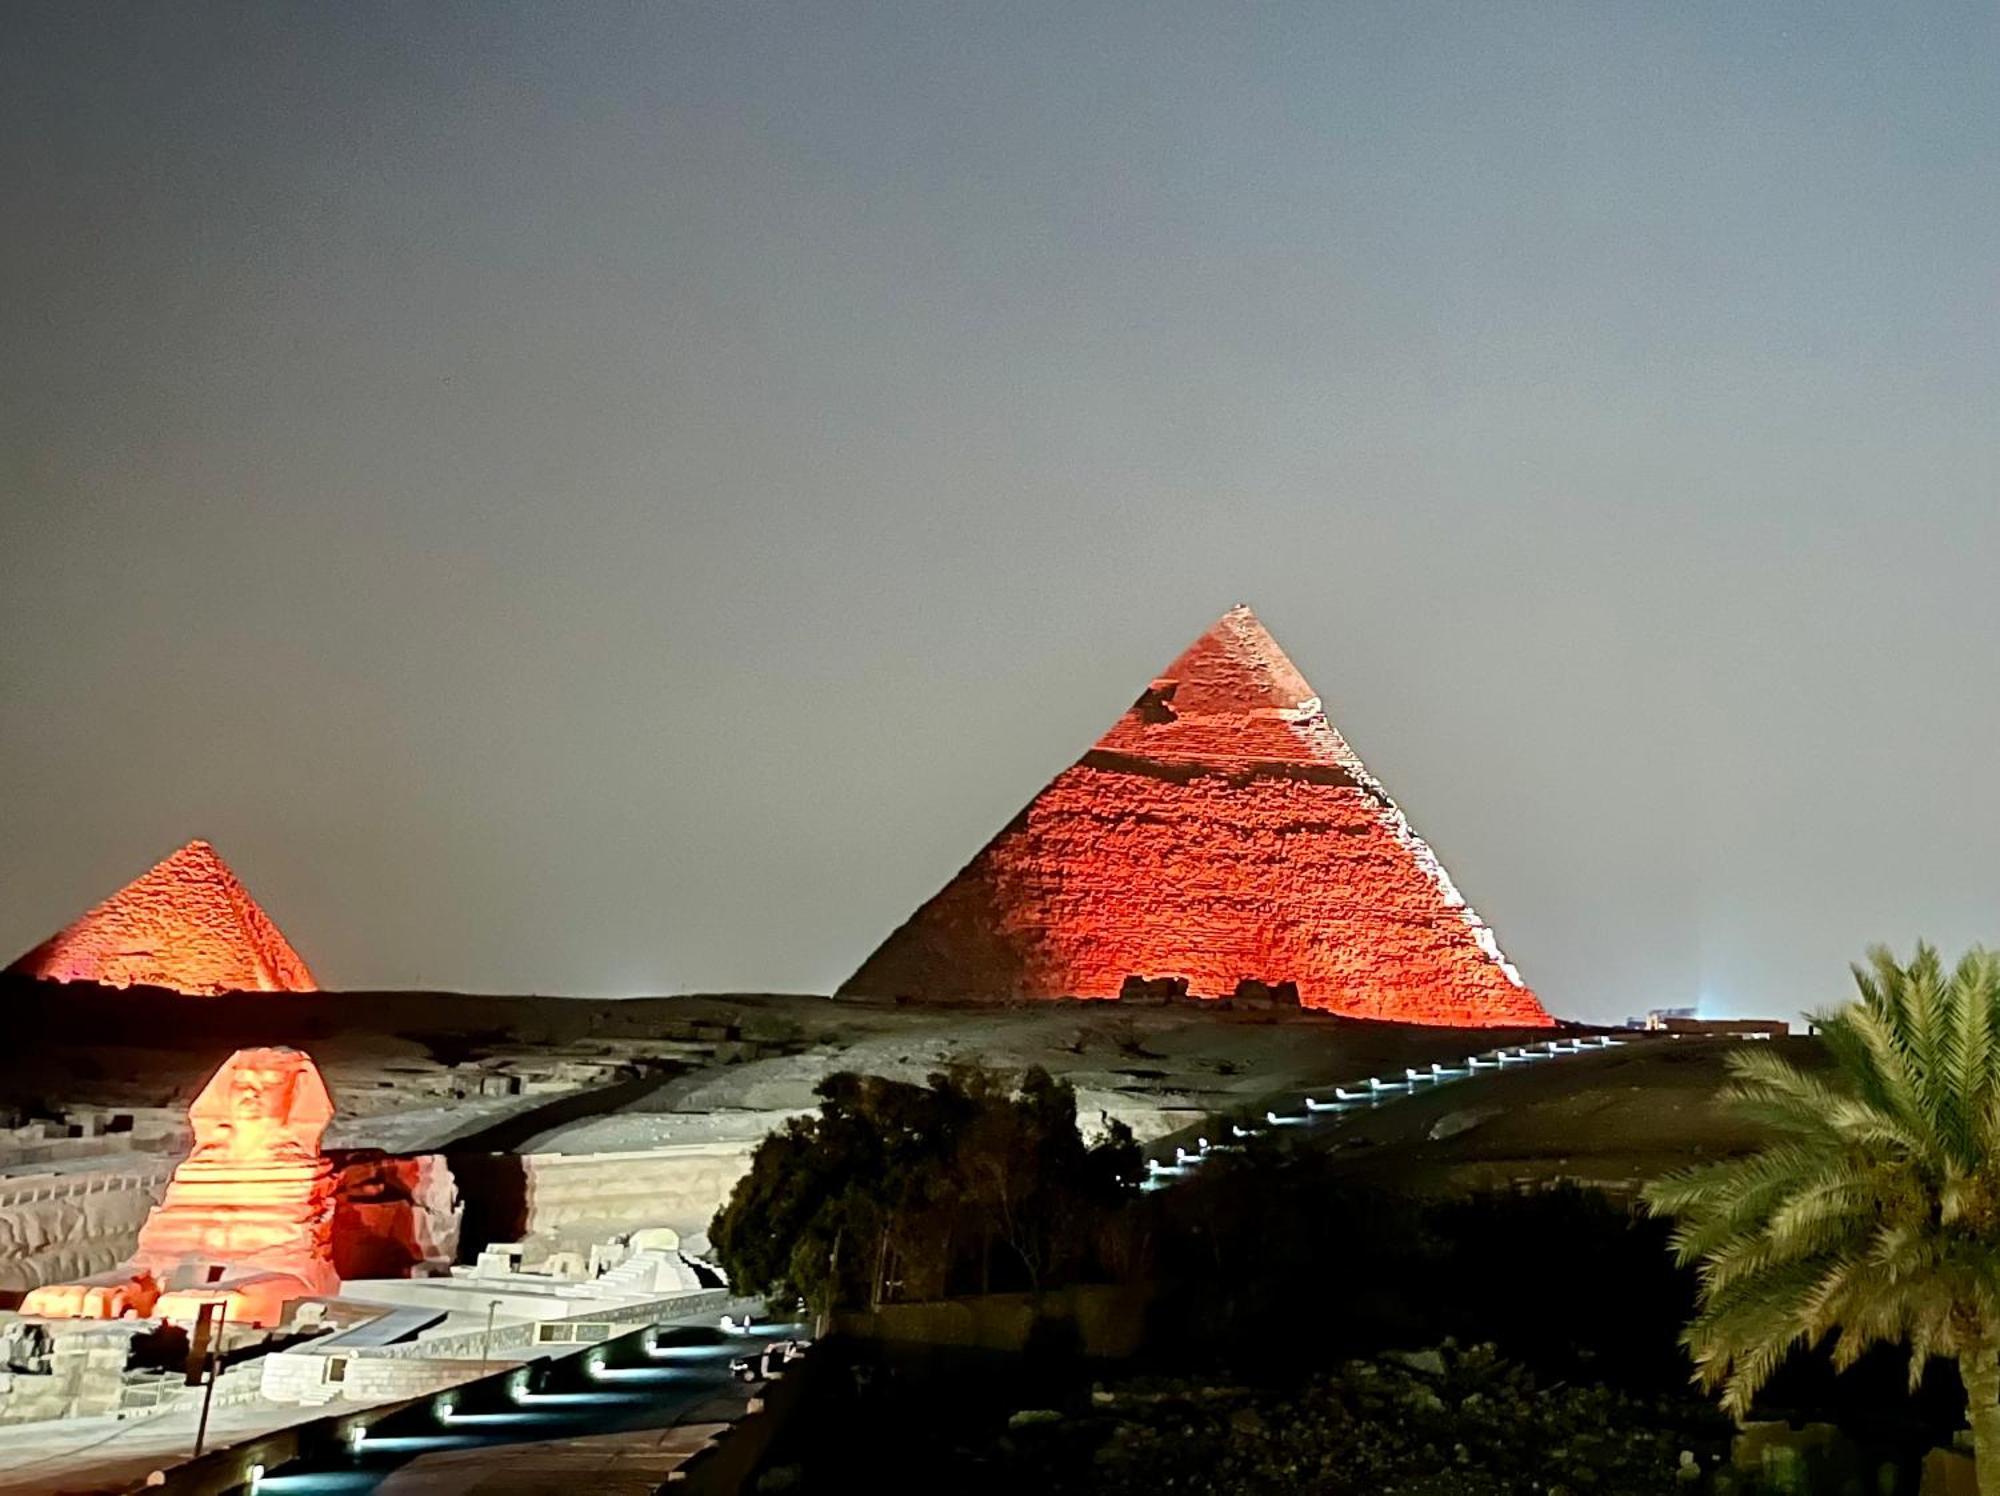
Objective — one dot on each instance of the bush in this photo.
(896, 1191)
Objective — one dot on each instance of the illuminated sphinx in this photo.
(247, 1220)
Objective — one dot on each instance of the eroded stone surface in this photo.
(1222, 831)
(248, 1217)
(187, 925)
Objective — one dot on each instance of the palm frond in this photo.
(1873, 1213)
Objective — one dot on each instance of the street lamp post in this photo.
(486, 1347)
(213, 1368)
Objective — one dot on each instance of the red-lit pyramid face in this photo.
(1220, 832)
(186, 925)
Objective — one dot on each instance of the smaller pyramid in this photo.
(187, 925)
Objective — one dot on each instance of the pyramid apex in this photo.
(1240, 620)
(1231, 694)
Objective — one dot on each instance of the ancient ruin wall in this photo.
(61, 1227)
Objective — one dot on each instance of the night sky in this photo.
(610, 499)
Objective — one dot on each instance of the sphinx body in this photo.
(247, 1220)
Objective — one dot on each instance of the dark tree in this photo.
(902, 1191)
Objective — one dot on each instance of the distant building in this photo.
(1685, 1021)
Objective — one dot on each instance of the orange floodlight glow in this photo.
(186, 924)
(1221, 832)
(247, 1220)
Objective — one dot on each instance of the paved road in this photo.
(578, 1421)
(102, 1454)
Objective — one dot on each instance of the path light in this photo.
(640, 1374)
(256, 1479)
(395, 1444)
(688, 1352)
(599, 1399)
(1245, 1132)
(1346, 1095)
(496, 1420)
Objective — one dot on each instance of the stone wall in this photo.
(299, 1379)
(558, 1200)
(57, 1228)
(86, 1376)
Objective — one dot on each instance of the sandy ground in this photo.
(734, 1065)
(105, 1454)
(1614, 1118)
(1155, 1069)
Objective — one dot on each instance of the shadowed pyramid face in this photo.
(1220, 832)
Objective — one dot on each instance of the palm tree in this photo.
(1873, 1213)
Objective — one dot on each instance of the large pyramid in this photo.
(187, 925)
(1221, 831)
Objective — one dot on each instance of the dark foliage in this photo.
(968, 1184)
(1272, 1256)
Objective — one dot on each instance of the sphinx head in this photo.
(262, 1106)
